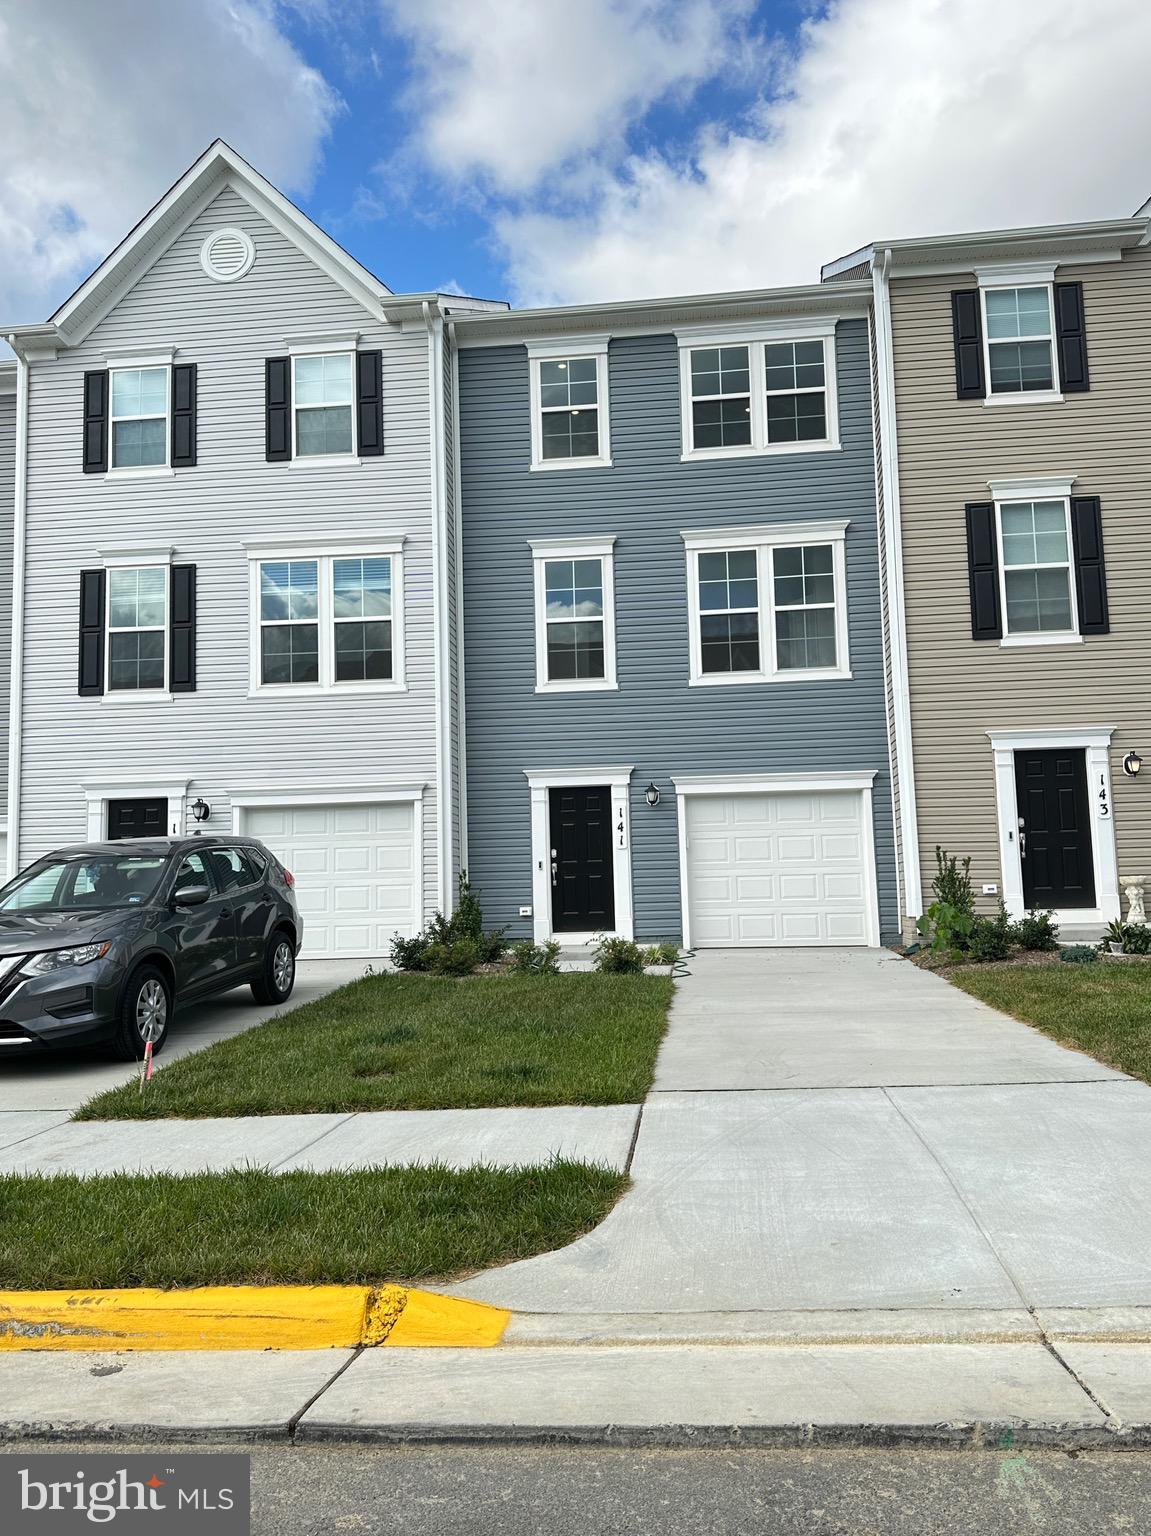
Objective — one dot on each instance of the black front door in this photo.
(137, 818)
(1054, 829)
(583, 885)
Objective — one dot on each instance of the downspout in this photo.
(16, 694)
(458, 521)
(440, 649)
(897, 638)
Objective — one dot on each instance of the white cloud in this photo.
(510, 89)
(103, 106)
(895, 118)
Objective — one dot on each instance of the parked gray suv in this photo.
(104, 941)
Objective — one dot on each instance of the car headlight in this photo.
(58, 959)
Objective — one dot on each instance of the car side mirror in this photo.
(191, 896)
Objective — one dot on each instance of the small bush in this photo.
(619, 957)
(410, 954)
(990, 937)
(459, 957)
(1079, 954)
(952, 883)
(1137, 939)
(1036, 930)
(666, 953)
(530, 959)
(467, 921)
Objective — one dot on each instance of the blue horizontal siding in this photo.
(655, 720)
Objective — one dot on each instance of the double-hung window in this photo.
(569, 403)
(322, 404)
(575, 614)
(137, 628)
(773, 392)
(139, 417)
(768, 603)
(327, 620)
(1019, 329)
(1038, 585)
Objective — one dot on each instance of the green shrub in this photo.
(1079, 954)
(530, 959)
(666, 953)
(1137, 939)
(948, 921)
(459, 957)
(466, 925)
(1036, 930)
(990, 937)
(952, 883)
(467, 921)
(410, 954)
(619, 956)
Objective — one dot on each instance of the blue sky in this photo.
(545, 152)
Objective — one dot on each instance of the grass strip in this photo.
(422, 1042)
(252, 1227)
(1103, 1009)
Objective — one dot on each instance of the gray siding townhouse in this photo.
(675, 700)
(235, 559)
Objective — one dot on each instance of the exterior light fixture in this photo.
(651, 795)
(1132, 764)
(201, 810)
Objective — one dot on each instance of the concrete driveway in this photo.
(836, 1131)
(63, 1080)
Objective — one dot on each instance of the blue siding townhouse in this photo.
(676, 718)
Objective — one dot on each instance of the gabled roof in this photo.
(218, 167)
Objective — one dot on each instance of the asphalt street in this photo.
(528, 1491)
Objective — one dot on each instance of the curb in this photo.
(281, 1317)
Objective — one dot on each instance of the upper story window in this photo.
(139, 417)
(569, 403)
(327, 620)
(322, 398)
(137, 627)
(1019, 327)
(771, 392)
(323, 403)
(1038, 587)
(768, 604)
(1020, 337)
(575, 614)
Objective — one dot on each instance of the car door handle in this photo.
(225, 911)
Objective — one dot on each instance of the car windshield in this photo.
(85, 882)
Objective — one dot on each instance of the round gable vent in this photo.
(227, 254)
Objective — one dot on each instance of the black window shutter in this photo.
(967, 328)
(369, 404)
(183, 415)
(278, 409)
(1071, 338)
(182, 626)
(983, 571)
(96, 422)
(91, 633)
(1090, 575)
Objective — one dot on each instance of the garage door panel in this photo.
(778, 868)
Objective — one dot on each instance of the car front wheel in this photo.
(279, 974)
(144, 1014)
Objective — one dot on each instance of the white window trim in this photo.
(764, 539)
(998, 277)
(602, 550)
(141, 471)
(569, 348)
(334, 344)
(756, 338)
(99, 792)
(124, 558)
(862, 782)
(541, 781)
(1095, 740)
(324, 552)
(1057, 489)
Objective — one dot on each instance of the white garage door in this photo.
(778, 869)
(355, 869)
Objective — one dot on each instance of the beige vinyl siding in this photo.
(221, 738)
(948, 450)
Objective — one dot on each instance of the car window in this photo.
(98, 881)
(193, 871)
(233, 868)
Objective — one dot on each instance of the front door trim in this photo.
(541, 781)
(99, 793)
(1095, 742)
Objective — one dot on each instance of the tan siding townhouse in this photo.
(1014, 381)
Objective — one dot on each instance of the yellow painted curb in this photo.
(246, 1317)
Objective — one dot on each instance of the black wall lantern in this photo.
(201, 810)
(651, 795)
(1132, 764)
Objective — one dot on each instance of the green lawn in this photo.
(253, 1227)
(1103, 1009)
(423, 1042)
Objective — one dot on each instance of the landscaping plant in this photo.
(948, 921)
(666, 953)
(618, 957)
(451, 946)
(1079, 954)
(1137, 939)
(455, 957)
(990, 937)
(1036, 930)
(530, 959)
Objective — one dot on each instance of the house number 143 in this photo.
(1101, 798)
